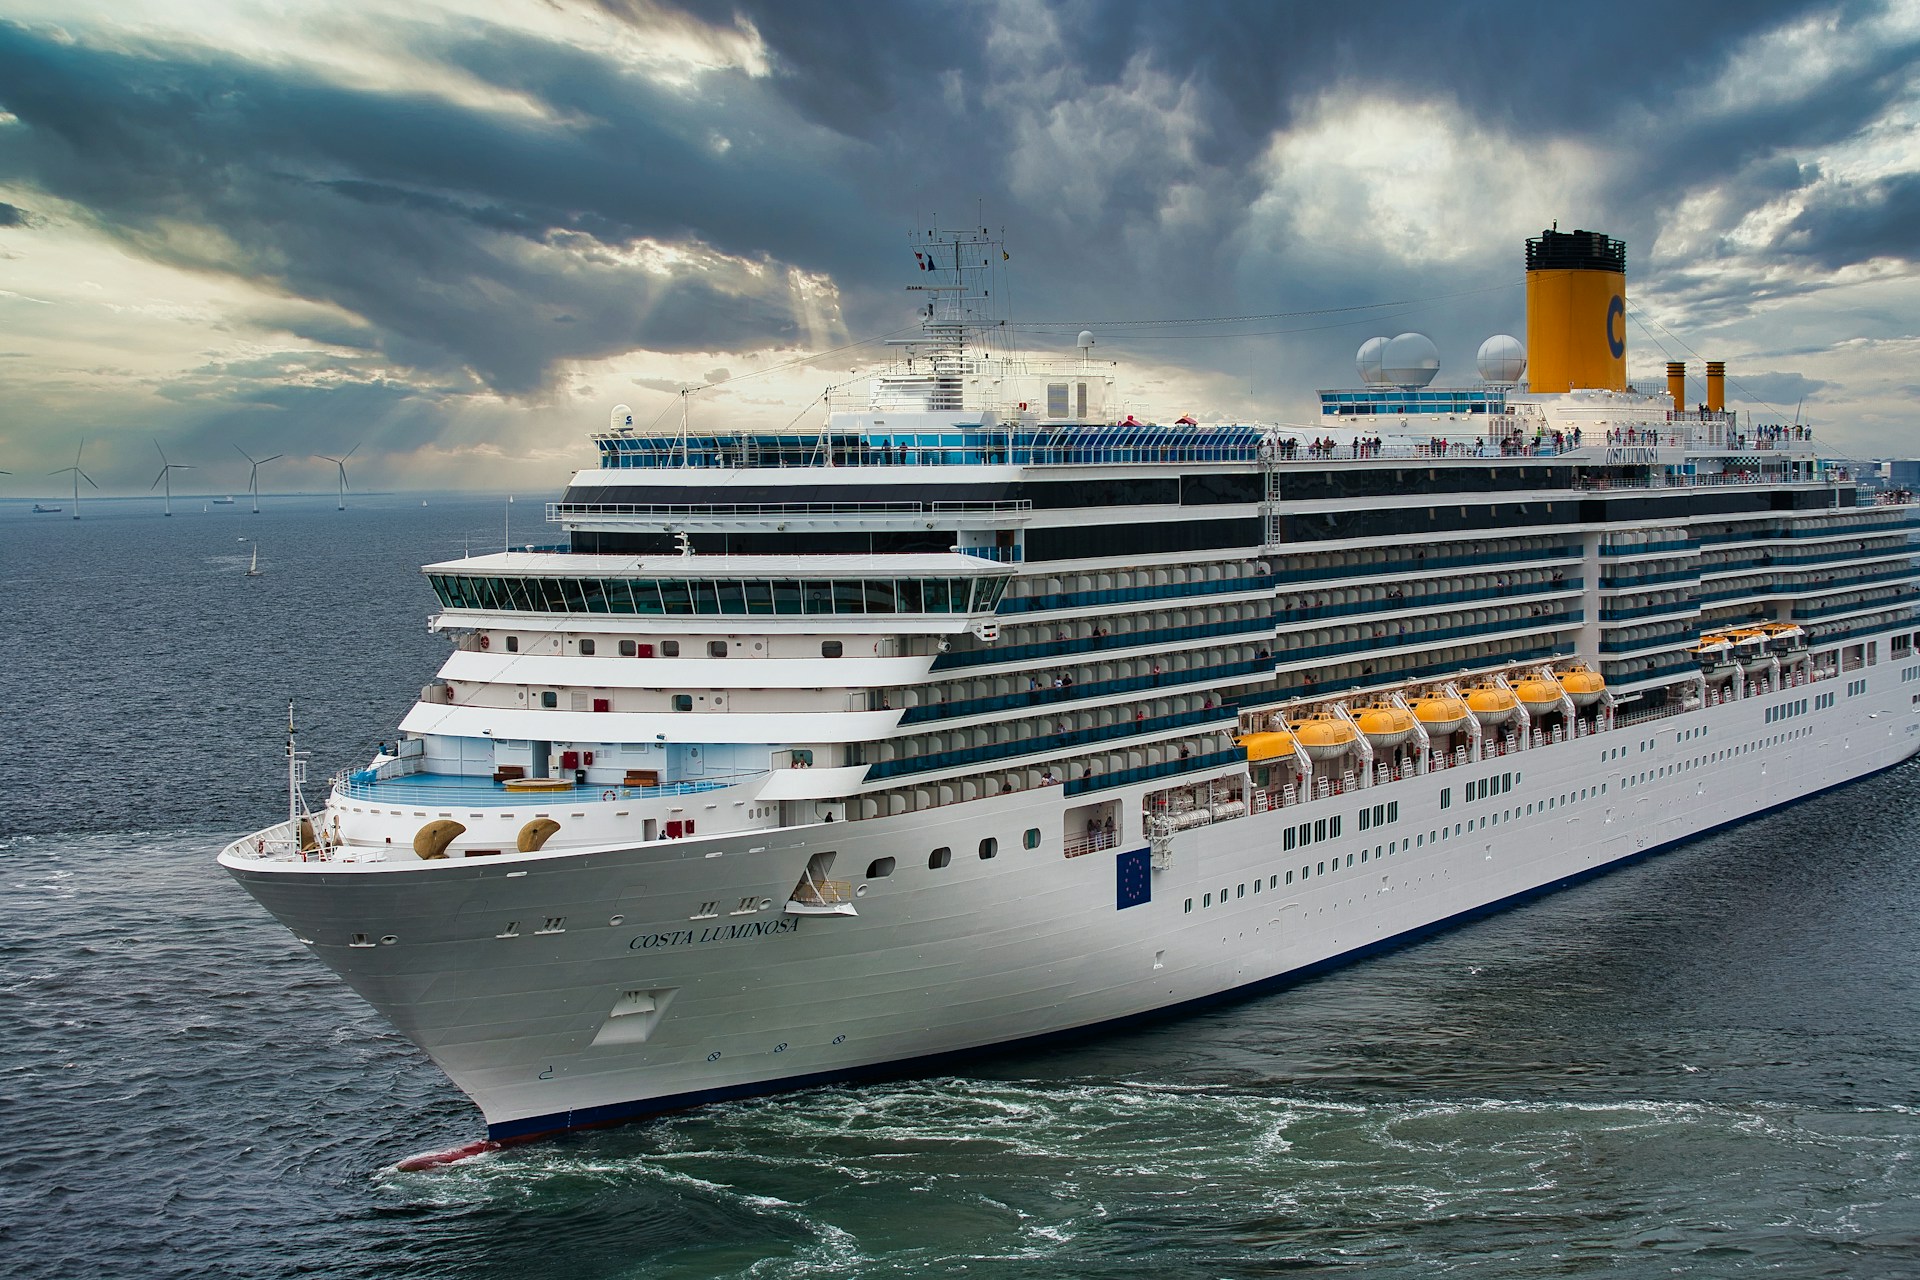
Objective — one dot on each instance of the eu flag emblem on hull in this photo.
(1132, 879)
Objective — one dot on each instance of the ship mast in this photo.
(296, 774)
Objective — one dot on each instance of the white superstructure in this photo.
(983, 712)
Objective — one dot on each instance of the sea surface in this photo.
(1704, 1064)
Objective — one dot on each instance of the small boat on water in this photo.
(45, 511)
(253, 567)
(223, 502)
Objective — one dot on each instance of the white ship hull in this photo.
(746, 998)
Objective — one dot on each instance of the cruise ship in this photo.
(981, 710)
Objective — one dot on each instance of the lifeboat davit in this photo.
(1537, 695)
(1385, 725)
(1583, 684)
(1491, 705)
(1441, 713)
(1325, 737)
(1268, 746)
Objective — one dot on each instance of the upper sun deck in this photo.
(869, 441)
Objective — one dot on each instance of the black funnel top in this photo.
(1576, 251)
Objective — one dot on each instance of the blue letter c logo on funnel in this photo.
(1617, 309)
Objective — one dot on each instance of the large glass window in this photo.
(675, 596)
(682, 597)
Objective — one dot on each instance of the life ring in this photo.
(486, 641)
(609, 794)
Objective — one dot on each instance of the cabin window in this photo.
(716, 648)
(683, 702)
(513, 644)
(669, 648)
(628, 648)
(831, 648)
(879, 868)
(549, 699)
(586, 648)
(939, 858)
(1032, 839)
(988, 848)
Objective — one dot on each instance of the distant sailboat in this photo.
(253, 569)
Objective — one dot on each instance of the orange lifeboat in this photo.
(1537, 694)
(1583, 684)
(1441, 713)
(1385, 725)
(1325, 737)
(1491, 705)
(1268, 746)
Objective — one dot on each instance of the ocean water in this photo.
(1704, 1064)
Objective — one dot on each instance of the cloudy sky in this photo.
(455, 234)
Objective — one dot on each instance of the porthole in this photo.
(683, 702)
(669, 648)
(831, 648)
(586, 648)
(716, 648)
(939, 858)
(988, 848)
(1032, 839)
(879, 868)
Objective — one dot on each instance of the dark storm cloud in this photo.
(465, 247)
(1632, 82)
(403, 209)
(1857, 222)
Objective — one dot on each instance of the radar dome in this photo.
(1502, 358)
(1410, 360)
(621, 417)
(1369, 360)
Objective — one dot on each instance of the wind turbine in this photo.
(78, 476)
(341, 462)
(253, 477)
(166, 473)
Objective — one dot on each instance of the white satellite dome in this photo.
(1369, 361)
(1502, 359)
(1410, 360)
(621, 417)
